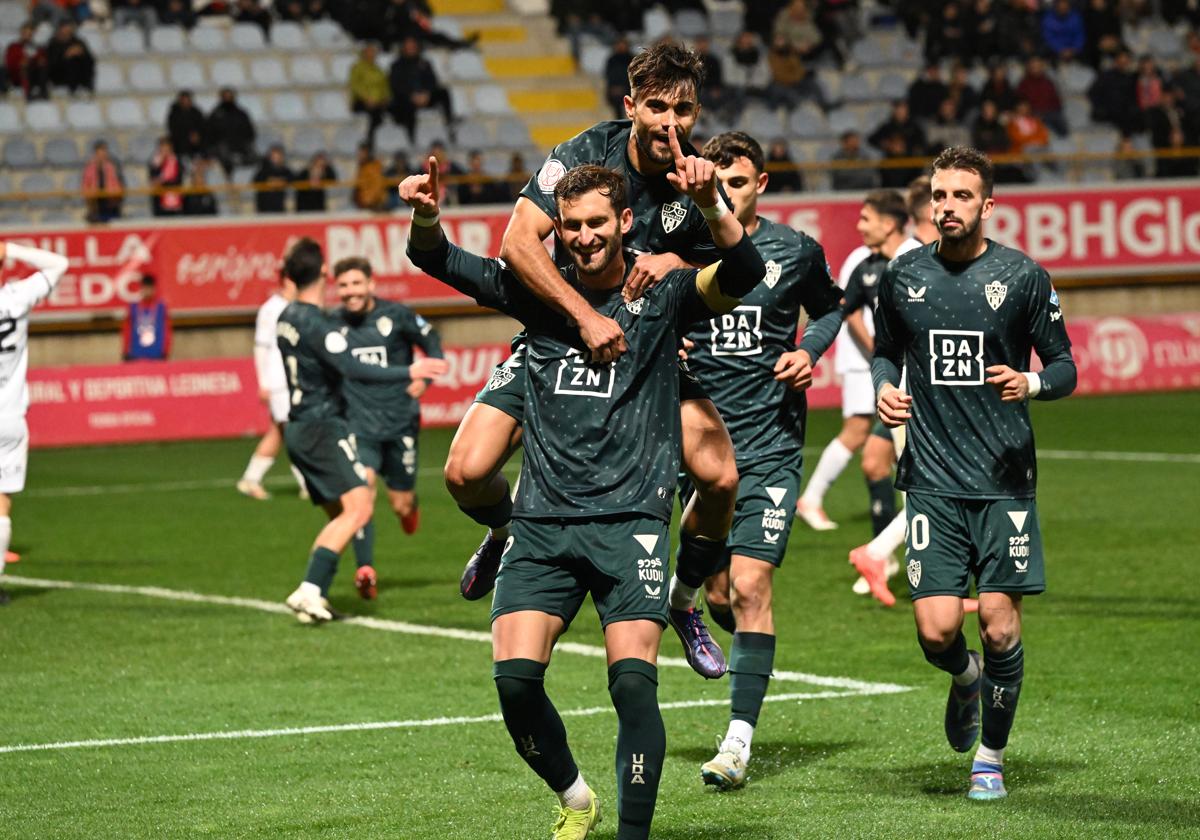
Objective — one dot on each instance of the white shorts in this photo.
(280, 404)
(14, 452)
(858, 394)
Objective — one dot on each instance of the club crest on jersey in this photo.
(870, 279)
(634, 307)
(673, 215)
(914, 572)
(995, 292)
(500, 377)
(550, 174)
(384, 325)
(772, 275)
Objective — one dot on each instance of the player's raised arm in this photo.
(50, 269)
(420, 192)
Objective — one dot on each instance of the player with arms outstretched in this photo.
(17, 299)
(961, 317)
(602, 447)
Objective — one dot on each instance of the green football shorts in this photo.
(505, 388)
(325, 453)
(997, 541)
(551, 565)
(394, 459)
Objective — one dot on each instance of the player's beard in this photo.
(965, 230)
(660, 155)
(606, 254)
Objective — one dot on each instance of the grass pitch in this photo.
(1104, 744)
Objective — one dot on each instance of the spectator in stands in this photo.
(310, 184)
(415, 86)
(716, 96)
(1176, 167)
(26, 65)
(999, 89)
(1063, 32)
(370, 188)
(370, 92)
(895, 146)
(146, 333)
(982, 30)
(518, 175)
(479, 187)
(966, 100)
(446, 166)
(989, 134)
(927, 92)
(231, 133)
(1020, 29)
(272, 172)
(177, 13)
(69, 62)
(397, 170)
(140, 13)
(186, 126)
(785, 177)
(1040, 91)
(946, 36)
(1102, 25)
(947, 128)
(414, 19)
(759, 17)
(748, 74)
(1126, 167)
(1166, 117)
(1026, 132)
(1187, 83)
(1113, 95)
(166, 170)
(838, 23)
(586, 23)
(102, 174)
(616, 76)
(795, 26)
(900, 124)
(1174, 11)
(249, 11)
(1149, 86)
(791, 81)
(859, 178)
(199, 199)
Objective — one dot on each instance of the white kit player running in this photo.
(17, 298)
(272, 390)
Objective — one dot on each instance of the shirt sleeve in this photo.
(821, 299)
(855, 294)
(888, 360)
(1048, 332)
(22, 296)
(421, 333)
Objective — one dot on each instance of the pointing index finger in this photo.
(433, 175)
(676, 149)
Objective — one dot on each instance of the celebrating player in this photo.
(17, 298)
(747, 360)
(272, 390)
(668, 233)
(961, 317)
(384, 418)
(316, 358)
(601, 457)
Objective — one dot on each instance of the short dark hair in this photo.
(303, 261)
(725, 148)
(970, 159)
(588, 178)
(149, 281)
(920, 194)
(888, 203)
(665, 67)
(350, 264)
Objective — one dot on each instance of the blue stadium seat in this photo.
(690, 23)
(857, 87)
(842, 120)
(347, 137)
(157, 108)
(513, 133)
(253, 105)
(61, 151)
(656, 22)
(289, 108)
(268, 72)
(310, 71)
(96, 40)
(229, 72)
(894, 86)
(209, 39)
(43, 117)
(187, 75)
(447, 26)
(139, 148)
(593, 58)
(38, 182)
(308, 140)
(339, 66)
(126, 112)
(290, 36)
(467, 67)
(1076, 78)
(109, 77)
(331, 106)
(472, 135)
(808, 121)
(491, 99)
(389, 139)
(19, 153)
(10, 119)
(327, 35)
(127, 41)
(147, 77)
(167, 40)
(12, 15)
(246, 37)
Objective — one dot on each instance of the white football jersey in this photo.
(17, 298)
(269, 361)
(849, 357)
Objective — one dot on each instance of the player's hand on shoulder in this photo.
(794, 369)
(420, 192)
(603, 337)
(1011, 385)
(648, 270)
(894, 406)
(695, 177)
(416, 388)
(428, 368)
(685, 344)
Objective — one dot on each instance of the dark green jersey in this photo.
(862, 288)
(945, 323)
(385, 336)
(316, 359)
(664, 221)
(603, 439)
(735, 353)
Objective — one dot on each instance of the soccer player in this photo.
(384, 418)
(17, 298)
(316, 358)
(747, 360)
(602, 447)
(668, 233)
(272, 390)
(961, 317)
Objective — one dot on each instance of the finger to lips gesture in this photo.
(420, 192)
(695, 177)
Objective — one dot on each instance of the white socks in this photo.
(577, 797)
(299, 476)
(739, 736)
(257, 468)
(990, 756)
(5, 538)
(681, 596)
(889, 539)
(970, 675)
(833, 460)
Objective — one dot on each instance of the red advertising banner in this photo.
(231, 266)
(219, 398)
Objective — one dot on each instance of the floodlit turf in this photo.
(1104, 745)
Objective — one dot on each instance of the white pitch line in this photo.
(377, 725)
(388, 625)
(1138, 457)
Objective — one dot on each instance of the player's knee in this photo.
(403, 504)
(716, 596)
(751, 594)
(633, 687)
(874, 467)
(999, 636)
(936, 636)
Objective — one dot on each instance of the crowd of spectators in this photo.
(64, 60)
